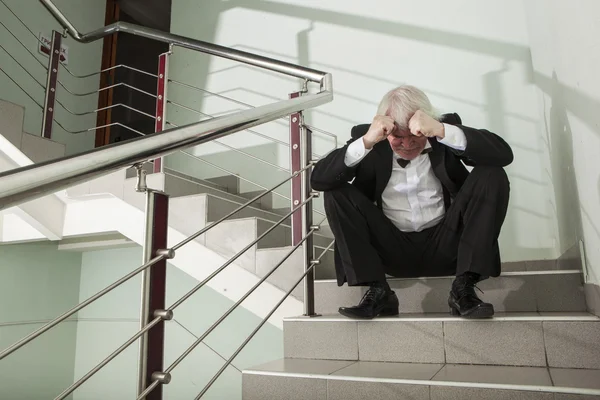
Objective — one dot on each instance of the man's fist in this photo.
(422, 124)
(380, 129)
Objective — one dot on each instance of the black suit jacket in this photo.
(372, 174)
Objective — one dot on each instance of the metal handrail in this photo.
(311, 127)
(209, 48)
(31, 182)
(231, 309)
(106, 88)
(308, 270)
(106, 70)
(108, 359)
(6, 352)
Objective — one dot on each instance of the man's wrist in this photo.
(367, 143)
(441, 131)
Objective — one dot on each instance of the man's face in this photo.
(405, 144)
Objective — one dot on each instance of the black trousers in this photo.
(369, 246)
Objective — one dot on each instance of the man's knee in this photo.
(494, 176)
(343, 196)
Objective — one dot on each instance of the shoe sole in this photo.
(382, 313)
(476, 313)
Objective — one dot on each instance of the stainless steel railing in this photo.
(38, 180)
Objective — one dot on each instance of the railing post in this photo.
(161, 100)
(51, 82)
(151, 345)
(301, 153)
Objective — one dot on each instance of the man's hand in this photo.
(422, 124)
(380, 129)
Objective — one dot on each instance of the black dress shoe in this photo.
(463, 300)
(376, 302)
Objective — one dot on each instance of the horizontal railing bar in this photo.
(251, 106)
(98, 127)
(235, 257)
(245, 154)
(106, 108)
(20, 87)
(106, 88)
(58, 320)
(264, 321)
(240, 301)
(192, 44)
(23, 44)
(35, 181)
(22, 23)
(246, 204)
(108, 359)
(24, 69)
(247, 130)
(108, 69)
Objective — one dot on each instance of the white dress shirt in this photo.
(413, 198)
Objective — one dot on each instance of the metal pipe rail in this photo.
(31, 182)
(309, 270)
(225, 52)
(9, 350)
(231, 309)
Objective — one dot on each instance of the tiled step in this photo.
(265, 202)
(519, 291)
(294, 379)
(555, 340)
(327, 270)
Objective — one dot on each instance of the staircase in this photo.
(542, 344)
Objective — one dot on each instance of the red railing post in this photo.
(151, 345)
(51, 82)
(161, 101)
(300, 157)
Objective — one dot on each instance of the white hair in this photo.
(402, 102)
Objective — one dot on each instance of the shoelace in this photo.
(466, 292)
(369, 296)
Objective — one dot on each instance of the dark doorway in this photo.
(136, 52)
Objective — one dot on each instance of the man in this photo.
(413, 209)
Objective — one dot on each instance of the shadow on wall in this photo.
(558, 137)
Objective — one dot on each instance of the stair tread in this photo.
(581, 381)
(442, 317)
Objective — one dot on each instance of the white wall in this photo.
(564, 42)
(37, 284)
(110, 321)
(86, 15)
(470, 56)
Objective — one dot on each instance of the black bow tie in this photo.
(403, 163)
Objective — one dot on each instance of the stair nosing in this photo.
(505, 274)
(429, 382)
(438, 317)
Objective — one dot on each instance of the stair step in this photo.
(519, 291)
(293, 379)
(231, 183)
(265, 202)
(555, 340)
